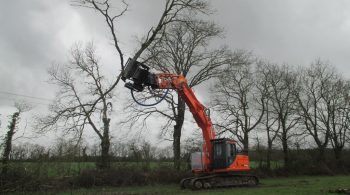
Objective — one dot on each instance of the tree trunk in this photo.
(8, 142)
(177, 132)
(321, 161)
(338, 156)
(85, 156)
(285, 150)
(245, 142)
(320, 156)
(268, 155)
(105, 145)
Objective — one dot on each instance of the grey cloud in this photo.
(29, 44)
(294, 32)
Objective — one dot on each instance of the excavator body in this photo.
(219, 164)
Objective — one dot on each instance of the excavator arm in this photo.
(139, 77)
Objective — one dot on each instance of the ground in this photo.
(292, 185)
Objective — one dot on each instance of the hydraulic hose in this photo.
(141, 104)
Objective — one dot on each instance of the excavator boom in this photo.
(179, 83)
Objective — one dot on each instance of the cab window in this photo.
(218, 150)
(231, 152)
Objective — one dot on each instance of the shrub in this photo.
(128, 176)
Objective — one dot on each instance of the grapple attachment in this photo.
(138, 75)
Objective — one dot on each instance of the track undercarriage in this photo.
(216, 180)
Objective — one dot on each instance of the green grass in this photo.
(293, 185)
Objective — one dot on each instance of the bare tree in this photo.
(324, 102)
(66, 149)
(339, 110)
(314, 99)
(36, 152)
(119, 149)
(19, 152)
(172, 12)
(21, 107)
(271, 124)
(84, 98)
(183, 50)
(239, 100)
(282, 80)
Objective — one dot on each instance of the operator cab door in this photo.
(224, 153)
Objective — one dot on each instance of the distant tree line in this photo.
(68, 151)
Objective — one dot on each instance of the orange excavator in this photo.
(219, 164)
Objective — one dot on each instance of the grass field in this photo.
(293, 185)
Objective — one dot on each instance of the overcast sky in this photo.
(34, 34)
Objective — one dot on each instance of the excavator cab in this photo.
(224, 153)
